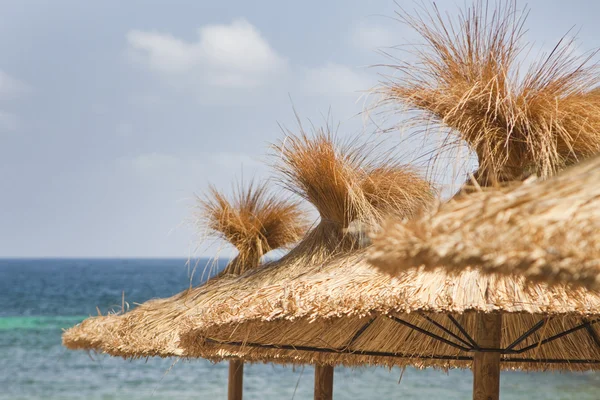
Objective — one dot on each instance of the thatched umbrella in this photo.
(465, 79)
(345, 184)
(254, 222)
(347, 312)
(548, 231)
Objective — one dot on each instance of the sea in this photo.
(40, 298)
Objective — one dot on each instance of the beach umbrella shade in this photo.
(254, 222)
(469, 78)
(344, 311)
(345, 184)
(347, 312)
(349, 186)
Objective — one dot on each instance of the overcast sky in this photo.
(114, 113)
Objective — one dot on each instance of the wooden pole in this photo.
(235, 386)
(486, 365)
(323, 382)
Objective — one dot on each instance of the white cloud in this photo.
(335, 79)
(373, 37)
(234, 55)
(164, 52)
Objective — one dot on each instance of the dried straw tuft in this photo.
(466, 77)
(346, 182)
(548, 231)
(254, 221)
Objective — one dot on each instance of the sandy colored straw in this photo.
(327, 306)
(343, 184)
(547, 231)
(253, 221)
(315, 316)
(464, 75)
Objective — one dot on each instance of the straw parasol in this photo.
(346, 182)
(255, 222)
(466, 76)
(343, 311)
(466, 79)
(346, 312)
(547, 231)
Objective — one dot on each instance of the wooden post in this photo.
(486, 365)
(235, 386)
(323, 382)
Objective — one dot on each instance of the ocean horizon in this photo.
(41, 297)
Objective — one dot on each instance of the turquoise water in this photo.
(39, 298)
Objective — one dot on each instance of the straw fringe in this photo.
(326, 306)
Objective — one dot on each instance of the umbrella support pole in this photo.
(235, 385)
(486, 364)
(323, 382)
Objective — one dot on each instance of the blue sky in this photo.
(114, 113)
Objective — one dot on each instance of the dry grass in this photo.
(466, 77)
(254, 221)
(348, 182)
(326, 306)
(316, 312)
(548, 231)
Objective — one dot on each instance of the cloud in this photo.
(234, 55)
(373, 37)
(335, 79)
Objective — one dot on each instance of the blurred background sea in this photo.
(38, 298)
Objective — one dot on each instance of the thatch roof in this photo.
(547, 231)
(344, 183)
(343, 311)
(254, 221)
(90, 333)
(464, 75)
